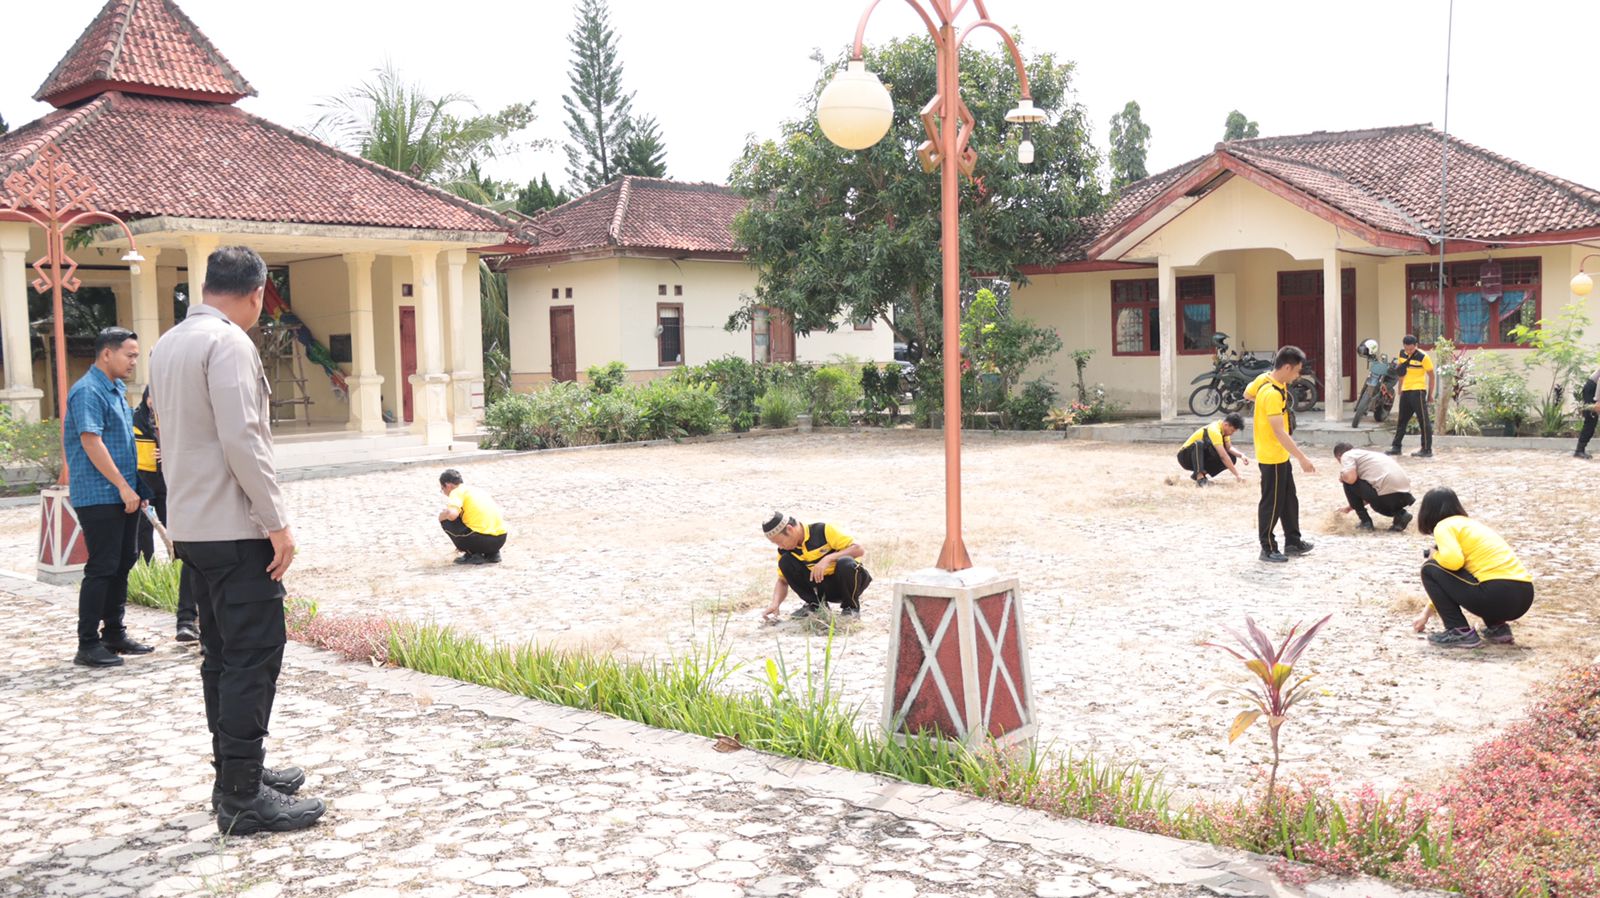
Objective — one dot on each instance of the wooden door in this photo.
(563, 344)
(408, 357)
(782, 337)
(1347, 315)
(1300, 317)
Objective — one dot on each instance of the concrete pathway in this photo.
(439, 789)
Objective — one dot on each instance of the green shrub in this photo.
(1028, 409)
(606, 378)
(544, 419)
(36, 444)
(612, 417)
(739, 384)
(779, 407)
(882, 390)
(1502, 394)
(673, 407)
(835, 390)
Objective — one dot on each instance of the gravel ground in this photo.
(1125, 574)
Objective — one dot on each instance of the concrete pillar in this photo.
(430, 386)
(466, 354)
(1167, 314)
(1332, 337)
(199, 248)
(19, 392)
(145, 317)
(366, 384)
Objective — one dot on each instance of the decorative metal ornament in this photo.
(1489, 281)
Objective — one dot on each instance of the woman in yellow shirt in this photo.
(1471, 568)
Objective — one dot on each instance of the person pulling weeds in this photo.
(820, 563)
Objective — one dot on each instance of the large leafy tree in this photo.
(1130, 144)
(604, 140)
(838, 235)
(1239, 127)
(3, 126)
(642, 150)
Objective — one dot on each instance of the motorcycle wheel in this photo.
(1362, 404)
(1304, 394)
(1205, 400)
(1380, 412)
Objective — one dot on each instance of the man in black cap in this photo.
(819, 562)
(1416, 387)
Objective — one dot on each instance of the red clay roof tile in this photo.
(642, 213)
(143, 46)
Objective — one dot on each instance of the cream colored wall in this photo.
(595, 323)
(319, 294)
(1240, 215)
(386, 279)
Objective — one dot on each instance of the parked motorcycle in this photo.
(1378, 394)
(1222, 388)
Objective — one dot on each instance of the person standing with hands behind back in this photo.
(1273, 430)
(229, 526)
(1416, 387)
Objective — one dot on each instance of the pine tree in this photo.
(1239, 128)
(3, 126)
(597, 110)
(1130, 144)
(642, 151)
(538, 196)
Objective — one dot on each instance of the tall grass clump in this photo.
(154, 584)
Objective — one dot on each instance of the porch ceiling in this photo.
(165, 232)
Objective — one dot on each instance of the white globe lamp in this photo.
(1582, 284)
(855, 109)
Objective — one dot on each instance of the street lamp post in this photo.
(987, 695)
(1582, 283)
(50, 194)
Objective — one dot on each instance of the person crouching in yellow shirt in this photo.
(472, 520)
(1209, 451)
(1273, 431)
(819, 562)
(1470, 567)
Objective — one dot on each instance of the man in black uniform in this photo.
(819, 562)
(1416, 387)
(1591, 415)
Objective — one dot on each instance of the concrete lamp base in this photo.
(62, 550)
(958, 660)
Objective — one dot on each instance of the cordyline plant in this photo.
(1272, 693)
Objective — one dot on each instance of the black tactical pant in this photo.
(1414, 404)
(1279, 502)
(111, 536)
(471, 541)
(843, 587)
(1362, 494)
(1201, 457)
(1496, 601)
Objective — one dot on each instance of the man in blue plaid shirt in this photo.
(102, 466)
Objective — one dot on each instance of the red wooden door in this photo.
(1300, 317)
(1347, 315)
(408, 357)
(563, 344)
(782, 336)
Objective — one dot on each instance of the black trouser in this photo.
(1587, 433)
(157, 486)
(111, 536)
(843, 587)
(1361, 494)
(242, 634)
(1201, 456)
(1496, 601)
(1278, 503)
(1414, 403)
(471, 541)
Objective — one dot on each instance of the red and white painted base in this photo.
(958, 660)
(62, 550)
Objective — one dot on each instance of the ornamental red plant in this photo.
(1271, 693)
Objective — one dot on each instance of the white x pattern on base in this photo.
(930, 665)
(996, 660)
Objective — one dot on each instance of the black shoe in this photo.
(96, 655)
(1202, 481)
(1581, 454)
(1422, 453)
(803, 611)
(126, 646)
(1401, 521)
(851, 613)
(288, 781)
(1298, 548)
(187, 632)
(1392, 450)
(470, 558)
(265, 810)
(490, 559)
(1274, 556)
(1365, 525)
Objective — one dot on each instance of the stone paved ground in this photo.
(645, 551)
(440, 790)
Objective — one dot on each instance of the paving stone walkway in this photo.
(439, 789)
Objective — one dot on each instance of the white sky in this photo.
(713, 71)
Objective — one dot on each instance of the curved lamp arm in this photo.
(1016, 55)
(861, 27)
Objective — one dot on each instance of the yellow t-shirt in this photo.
(1462, 542)
(1416, 367)
(1214, 431)
(819, 540)
(478, 510)
(1272, 400)
(145, 446)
